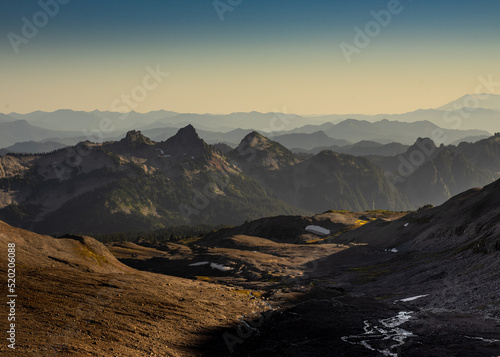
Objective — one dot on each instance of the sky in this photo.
(223, 56)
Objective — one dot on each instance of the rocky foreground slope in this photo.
(374, 283)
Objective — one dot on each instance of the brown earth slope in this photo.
(74, 298)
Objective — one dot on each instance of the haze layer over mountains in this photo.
(471, 117)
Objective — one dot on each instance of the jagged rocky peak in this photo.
(187, 137)
(135, 137)
(187, 134)
(424, 142)
(270, 154)
(186, 141)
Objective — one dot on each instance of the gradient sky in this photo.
(265, 56)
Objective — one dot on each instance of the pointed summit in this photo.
(186, 141)
(255, 134)
(186, 136)
(256, 150)
(256, 140)
(188, 133)
(425, 145)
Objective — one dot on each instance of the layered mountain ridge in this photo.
(137, 184)
(133, 184)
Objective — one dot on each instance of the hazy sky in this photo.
(264, 55)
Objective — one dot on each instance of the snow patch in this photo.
(198, 264)
(220, 267)
(406, 224)
(317, 230)
(412, 298)
(212, 265)
(489, 340)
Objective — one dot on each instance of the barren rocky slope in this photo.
(426, 284)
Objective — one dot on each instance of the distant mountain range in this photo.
(16, 131)
(468, 116)
(70, 120)
(476, 111)
(362, 148)
(308, 141)
(385, 131)
(311, 138)
(34, 147)
(480, 100)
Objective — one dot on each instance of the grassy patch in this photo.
(360, 222)
(187, 241)
(247, 292)
(87, 253)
